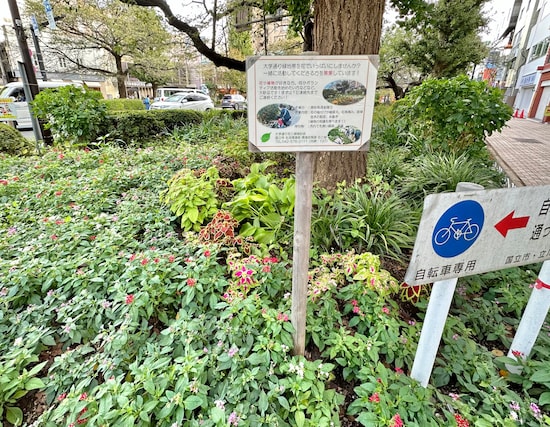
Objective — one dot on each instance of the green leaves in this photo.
(191, 197)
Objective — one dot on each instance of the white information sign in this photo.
(466, 233)
(311, 103)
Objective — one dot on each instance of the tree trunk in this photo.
(345, 27)
(121, 78)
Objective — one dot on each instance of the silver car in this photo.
(185, 101)
(237, 102)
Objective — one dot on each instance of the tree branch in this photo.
(192, 32)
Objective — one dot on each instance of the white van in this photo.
(15, 92)
(164, 92)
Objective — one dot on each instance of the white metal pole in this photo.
(533, 318)
(436, 315)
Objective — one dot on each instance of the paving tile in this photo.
(522, 150)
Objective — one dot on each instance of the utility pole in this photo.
(27, 63)
(23, 47)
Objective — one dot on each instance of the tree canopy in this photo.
(114, 32)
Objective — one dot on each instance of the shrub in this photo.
(364, 217)
(132, 126)
(12, 142)
(454, 114)
(73, 114)
(438, 173)
(123, 104)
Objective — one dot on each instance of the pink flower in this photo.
(517, 353)
(233, 351)
(356, 309)
(129, 299)
(282, 317)
(233, 419)
(61, 396)
(4, 181)
(83, 396)
(132, 257)
(386, 310)
(206, 254)
(191, 282)
(54, 237)
(266, 268)
(375, 398)
(245, 275)
(58, 193)
(171, 258)
(144, 261)
(398, 370)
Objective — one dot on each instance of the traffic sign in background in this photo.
(466, 233)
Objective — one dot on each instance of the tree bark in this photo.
(345, 27)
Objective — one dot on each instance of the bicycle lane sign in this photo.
(473, 232)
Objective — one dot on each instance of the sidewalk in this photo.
(522, 150)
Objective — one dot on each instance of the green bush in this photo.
(454, 114)
(438, 173)
(12, 142)
(123, 104)
(132, 126)
(75, 115)
(363, 217)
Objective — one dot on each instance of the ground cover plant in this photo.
(115, 313)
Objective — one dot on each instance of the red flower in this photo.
(171, 258)
(461, 422)
(129, 299)
(191, 282)
(375, 397)
(132, 257)
(517, 353)
(398, 370)
(397, 421)
(83, 396)
(93, 237)
(60, 156)
(144, 261)
(15, 178)
(156, 260)
(54, 237)
(206, 254)
(58, 193)
(4, 181)
(61, 396)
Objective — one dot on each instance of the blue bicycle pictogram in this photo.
(458, 228)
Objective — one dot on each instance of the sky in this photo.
(498, 11)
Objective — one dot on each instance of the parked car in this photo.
(164, 92)
(237, 102)
(186, 101)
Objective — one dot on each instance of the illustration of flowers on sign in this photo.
(278, 116)
(344, 92)
(344, 134)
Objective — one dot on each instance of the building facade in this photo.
(528, 68)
